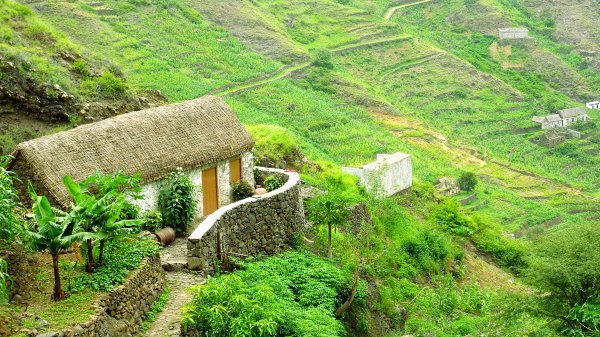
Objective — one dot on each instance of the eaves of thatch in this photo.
(151, 142)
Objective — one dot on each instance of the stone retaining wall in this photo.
(120, 312)
(260, 224)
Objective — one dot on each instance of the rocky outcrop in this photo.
(20, 92)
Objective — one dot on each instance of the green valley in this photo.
(325, 84)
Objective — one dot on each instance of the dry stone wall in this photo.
(120, 312)
(262, 224)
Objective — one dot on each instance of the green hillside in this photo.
(349, 79)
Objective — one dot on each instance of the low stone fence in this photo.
(259, 224)
(120, 312)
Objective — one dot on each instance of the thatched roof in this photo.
(153, 142)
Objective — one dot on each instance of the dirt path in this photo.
(289, 70)
(285, 72)
(167, 321)
(388, 15)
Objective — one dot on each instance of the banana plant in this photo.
(100, 218)
(55, 233)
(85, 222)
(110, 227)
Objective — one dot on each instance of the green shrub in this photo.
(448, 216)
(153, 221)
(294, 294)
(81, 67)
(273, 182)
(323, 58)
(241, 190)
(4, 279)
(106, 86)
(9, 203)
(177, 201)
(467, 181)
(129, 211)
(275, 147)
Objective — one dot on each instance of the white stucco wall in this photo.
(248, 168)
(386, 176)
(150, 191)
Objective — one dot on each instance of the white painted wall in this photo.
(151, 190)
(386, 176)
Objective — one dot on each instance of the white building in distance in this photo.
(563, 118)
(513, 33)
(593, 105)
(386, 176)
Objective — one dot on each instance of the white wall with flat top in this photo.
(386, 176)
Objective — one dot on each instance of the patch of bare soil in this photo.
(487, 274)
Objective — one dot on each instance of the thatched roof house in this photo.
(153, 142)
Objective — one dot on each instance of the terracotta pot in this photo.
(165, 236)
(260, 191)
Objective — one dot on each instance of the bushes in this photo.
(323, 58)
(275, 146)
(122, 255)
(106, 86)
(273, 182)
(9, 204)
(294, 294)
(153, 221)
(448, 216)
(467, 181)
(241, 190)
(177, 201)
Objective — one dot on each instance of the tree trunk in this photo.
(101, 253)
(329, 246)
(89, 266)
(341, 310)
(59, 294)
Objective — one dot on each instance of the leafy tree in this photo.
(177, 201)
(566, 271)
(329, 210)
(467, 181)
(55, 233)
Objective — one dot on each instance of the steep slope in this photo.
(572, 22)
(432, 80)
(48, 83)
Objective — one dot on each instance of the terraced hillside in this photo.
(436, 66)
(352, 78)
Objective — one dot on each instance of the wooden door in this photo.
(210, 191)
(235, 167)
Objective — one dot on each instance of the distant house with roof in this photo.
(562, 118)
(203, 137)
(593, 105)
